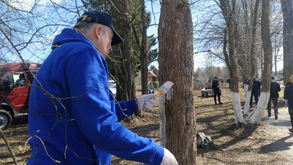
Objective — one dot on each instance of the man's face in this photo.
(105, 35)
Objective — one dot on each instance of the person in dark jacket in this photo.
(274, 95)
(287, 84)
(216, 89)
(75, 119)
(255, 91)
(288, 95)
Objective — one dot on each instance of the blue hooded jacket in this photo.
(74, 120)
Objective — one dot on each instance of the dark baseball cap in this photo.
(101, 18)
(216, 78)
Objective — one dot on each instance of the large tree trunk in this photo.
(229, 16)
(125, 70)
(176, 65)
(287, 38)
(257, 114)
(143, 52)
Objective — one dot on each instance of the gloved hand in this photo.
(168, 158)
(145, 103)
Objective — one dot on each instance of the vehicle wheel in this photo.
(5, 119)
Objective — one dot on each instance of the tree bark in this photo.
(143, 52)
(287, 39)
(257, 114)
(176, 65)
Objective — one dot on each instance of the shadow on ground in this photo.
(279, 145)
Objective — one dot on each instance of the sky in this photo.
(44, 14)
(154, 8)
(199, 58)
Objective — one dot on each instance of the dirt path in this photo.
(277, 139)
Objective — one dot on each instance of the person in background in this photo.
(255, 91)
(287, 84)
(288, 96)
(75, 120)
(274, 95)
(216, 89)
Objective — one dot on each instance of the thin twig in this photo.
(57, 161)
(8, 146)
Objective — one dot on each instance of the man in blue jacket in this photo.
(274, 95)
(288, 95)
(73, 117)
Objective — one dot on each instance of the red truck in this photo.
(15, 84)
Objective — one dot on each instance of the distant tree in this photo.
(224, 73)
(197, 73)
(142, 43)
(143, 50)
(124, 50)
(152, 52)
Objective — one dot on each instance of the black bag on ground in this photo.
(204, 141)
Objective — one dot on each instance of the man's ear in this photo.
(98, 31)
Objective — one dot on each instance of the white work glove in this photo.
(169, 158)
(145, 103)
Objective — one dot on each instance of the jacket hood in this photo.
(69, 35)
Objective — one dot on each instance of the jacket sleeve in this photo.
(279, 88)
(125, 108)
(94, 111)
(286, 92)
